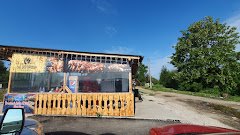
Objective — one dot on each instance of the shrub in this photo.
(167, 78)
(194, 87)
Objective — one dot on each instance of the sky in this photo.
(139, 27)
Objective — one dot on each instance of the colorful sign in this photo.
(24, 63)
(96, 67)
(25, 101)
(27, 63)
(54, 64)
(73, 83)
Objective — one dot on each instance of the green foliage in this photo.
(167, 78)
(141, 76)
(209, 93)
(195, 87)
(205, 57)
(213, 91)
(3, 74)
(2, 93)
(155, 81)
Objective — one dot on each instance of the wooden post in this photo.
(9, 81)
(130, 82)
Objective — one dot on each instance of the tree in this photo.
(3, 74)
(154, 80)
(167, 78)
(141, 76)
(205, 56)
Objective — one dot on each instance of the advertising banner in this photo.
(96, 67)
(26, 63)
(23, 63)
(73, 83)
(25, 101)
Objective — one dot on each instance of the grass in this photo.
(204, 93)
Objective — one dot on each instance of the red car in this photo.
(187, 129)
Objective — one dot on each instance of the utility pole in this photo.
(149, 74)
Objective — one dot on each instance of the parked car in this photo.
(13, 122)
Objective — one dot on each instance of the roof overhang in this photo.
(7, 51)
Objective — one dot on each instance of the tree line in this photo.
(205, 57)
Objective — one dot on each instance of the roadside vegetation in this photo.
(206, 62)
(3, 80)
(203, 93)
(2, 93)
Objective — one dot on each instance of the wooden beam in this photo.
(130, 82)
(9, 81)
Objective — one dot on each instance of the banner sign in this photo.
(94, 67)
(24, 63)
(25, 101)
(54, 64)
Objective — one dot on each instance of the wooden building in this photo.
(61, 82)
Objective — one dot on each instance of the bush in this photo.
(157, 86)
(194, 87)
(167, 78)
(212, 91)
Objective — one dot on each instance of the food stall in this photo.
(61, 82)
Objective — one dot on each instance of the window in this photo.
(35, 82)
(82, 76)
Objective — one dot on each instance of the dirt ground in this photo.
(188, 109)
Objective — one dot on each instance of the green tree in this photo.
(154, 80)
(167, 78)
(205, 56)
(3, 74)
(141, 76)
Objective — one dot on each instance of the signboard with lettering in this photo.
(24, 63)
(25, 101)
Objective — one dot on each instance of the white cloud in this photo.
(110, 31)
(234, 21)
(104, 6)
(158, 63)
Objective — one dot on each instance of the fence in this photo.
(87, 104)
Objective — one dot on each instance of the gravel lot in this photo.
(186, 108)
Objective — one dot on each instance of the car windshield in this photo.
(122, 67)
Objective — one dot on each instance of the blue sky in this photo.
(143, 27)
